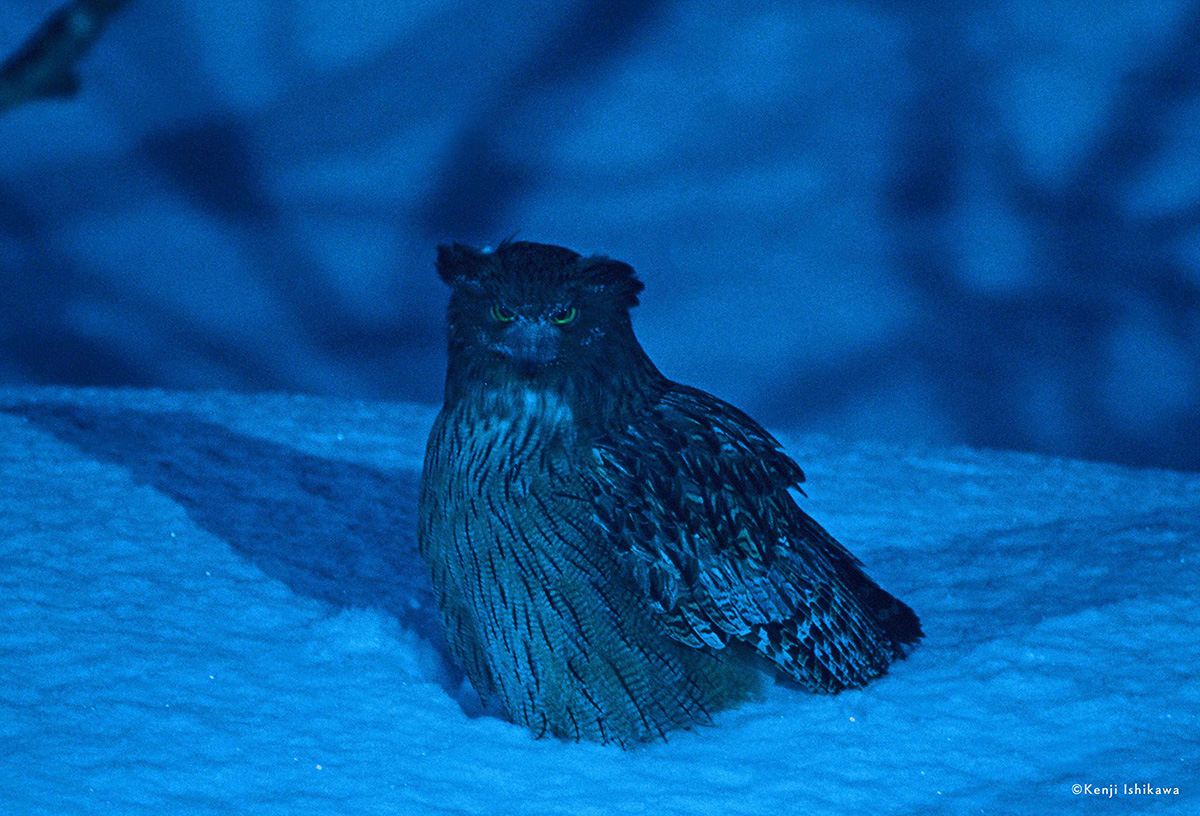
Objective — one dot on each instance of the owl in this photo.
(615, 555)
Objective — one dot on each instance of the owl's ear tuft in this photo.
(614, 276)
(459, 263)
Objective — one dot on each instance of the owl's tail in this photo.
(847, 629)
(896, 618)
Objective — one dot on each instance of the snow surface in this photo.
(212, 604)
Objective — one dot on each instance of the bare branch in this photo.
(44, 67)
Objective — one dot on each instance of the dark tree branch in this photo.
(44, 67)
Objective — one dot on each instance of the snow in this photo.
(212, 604)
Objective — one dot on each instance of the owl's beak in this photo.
(531, 344)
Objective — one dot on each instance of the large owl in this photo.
(616, 555)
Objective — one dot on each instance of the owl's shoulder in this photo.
(688, 434)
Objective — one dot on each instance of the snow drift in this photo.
(213, 604)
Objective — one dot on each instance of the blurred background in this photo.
(960, 222)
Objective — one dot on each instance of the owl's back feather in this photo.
(695, 496)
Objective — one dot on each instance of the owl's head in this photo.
(534, 310)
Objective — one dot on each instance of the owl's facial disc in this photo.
(530, 344)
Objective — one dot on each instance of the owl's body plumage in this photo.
(616, 555)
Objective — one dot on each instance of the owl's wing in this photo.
(696, 499)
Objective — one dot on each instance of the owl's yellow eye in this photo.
(502, 314)
(562, 317)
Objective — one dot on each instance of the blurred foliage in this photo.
(250, 201)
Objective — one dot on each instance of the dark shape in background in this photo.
(1098, 268)
(476, 184)
(44, 67)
